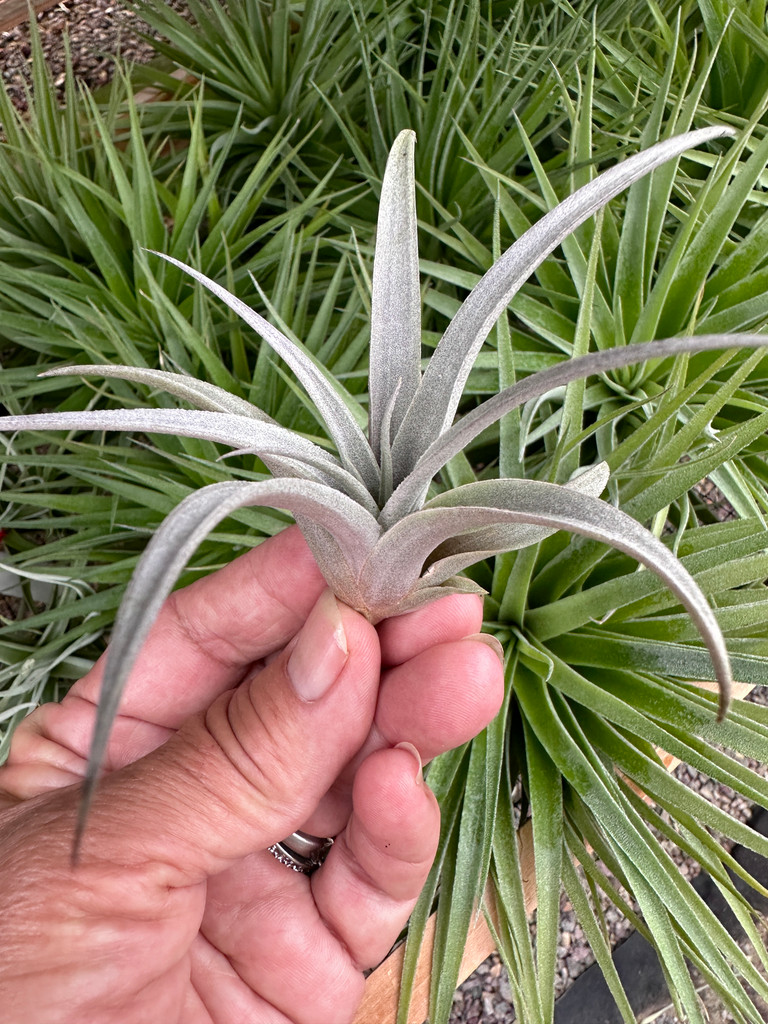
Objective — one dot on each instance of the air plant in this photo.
(383, 544)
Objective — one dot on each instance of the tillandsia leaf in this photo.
(421, 596)
(395, 356)
(409, 543)
(199, 393)
(468, 548)
(409, 493)
(385, 447)
(242, 433)
(354, 450)
(442, 384)
(353, 529)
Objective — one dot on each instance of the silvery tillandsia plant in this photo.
(383, 543)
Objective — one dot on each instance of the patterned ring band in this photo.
(302, 852)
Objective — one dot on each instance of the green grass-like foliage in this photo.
(289, 126)
(585, 696)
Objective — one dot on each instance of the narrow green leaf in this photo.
(596, 939)
(545, 793)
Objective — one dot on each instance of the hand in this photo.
(258, 706)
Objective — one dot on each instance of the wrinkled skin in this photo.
(176, 912)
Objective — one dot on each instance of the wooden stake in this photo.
(14, 12)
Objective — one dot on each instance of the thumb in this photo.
(251, 768)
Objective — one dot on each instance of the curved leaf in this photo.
(409, 493)
(442, 385)
(199, 393)
(468, 548)
(408, 544)
(354, 450)
(354, 531)
(244, 434)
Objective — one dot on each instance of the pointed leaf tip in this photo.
(395, 352)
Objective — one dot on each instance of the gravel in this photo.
(97, 31)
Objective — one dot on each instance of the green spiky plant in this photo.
(680, 254)
(82, 188)
(383, 543)
(356, 76)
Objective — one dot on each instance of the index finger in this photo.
(206, 639)
(208, 634)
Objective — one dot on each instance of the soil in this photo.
(97, 31)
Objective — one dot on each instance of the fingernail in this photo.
(320, 650)
(491, 641)
(418, 777)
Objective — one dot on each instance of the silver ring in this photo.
(302, 852)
